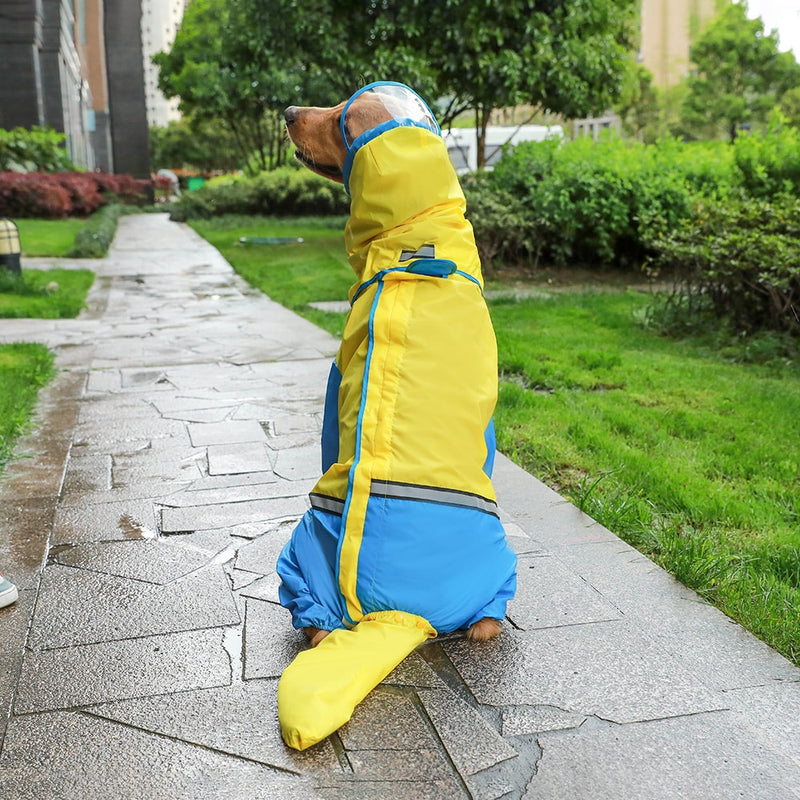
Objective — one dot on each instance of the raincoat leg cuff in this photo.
(319, 690)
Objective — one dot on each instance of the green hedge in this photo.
(593, 203)
(95, 237)
(740, 260)
(283, 192)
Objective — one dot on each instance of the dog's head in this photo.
(327, 138)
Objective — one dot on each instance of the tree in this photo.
(790, 106)
(739, 75)
(229, 68)
(242, 61)
(564, 56)
(198, 144)
(639, 107)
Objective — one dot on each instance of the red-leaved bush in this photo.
(63, 194)
(33, 194)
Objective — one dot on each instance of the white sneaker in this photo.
(8, 592)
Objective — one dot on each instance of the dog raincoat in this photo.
(403, 538)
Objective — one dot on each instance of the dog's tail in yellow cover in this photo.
(320, 689)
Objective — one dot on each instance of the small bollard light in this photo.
(9, 246)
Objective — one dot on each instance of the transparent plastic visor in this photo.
(378, 105)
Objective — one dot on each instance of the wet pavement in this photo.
(172, 456)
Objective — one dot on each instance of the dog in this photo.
(403, 530)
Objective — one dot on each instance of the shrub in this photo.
(34, 150)
(122, 188)
(594, 202)
(282, 192)
(84, 197)
(94, 238)
(740, 260)
(769, 164)
(61, 194)
(33, 195)
(502, 224)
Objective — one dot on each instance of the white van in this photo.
(462, 143)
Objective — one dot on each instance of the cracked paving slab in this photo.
(609, 669)
(76, 676)
(240, 720)
(39, 760)
(77, 606)
(702, 756)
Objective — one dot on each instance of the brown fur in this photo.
(316, 133)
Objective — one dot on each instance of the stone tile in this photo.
(241, 720)
(549, 595)
(143, 377)
(80, 607)
(519, 541)
(299, 462)
(107, 409)
(608, 669)
(200, 414)
(98, 673)
(704, 756)
(126, 432)
(260, 588)
(527, 720)
(269, 486)
(399, 765)
(262, 554)
(294, 423)
(387, 720)
(227, 459)
(414, 671)
(772, 714)
(156, 562)
(89, 757)
(105, 380)
(212, 482)
(710, 645)
(472, 743)
(450, 789)
(87, 474)
(540, 512)
(128, 519)
(229, 432)
(270, 642)
(196, 518)
(156, 465)
(179, 403)
(212, 544)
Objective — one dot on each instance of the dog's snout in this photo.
(290, 115)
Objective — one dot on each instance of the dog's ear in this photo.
(366, 112)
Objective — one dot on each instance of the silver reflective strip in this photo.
(433, 494)
(324, 503)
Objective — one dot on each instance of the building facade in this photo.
(83, 67)
(44, 82)
(160, 22)
(668, 28)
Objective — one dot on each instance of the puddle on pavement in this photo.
(133, 529)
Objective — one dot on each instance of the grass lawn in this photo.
(690, 456)
(24, 369)
(44, 294)
(291, 274)
(47, 237)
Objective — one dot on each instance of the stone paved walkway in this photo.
(142, 522)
